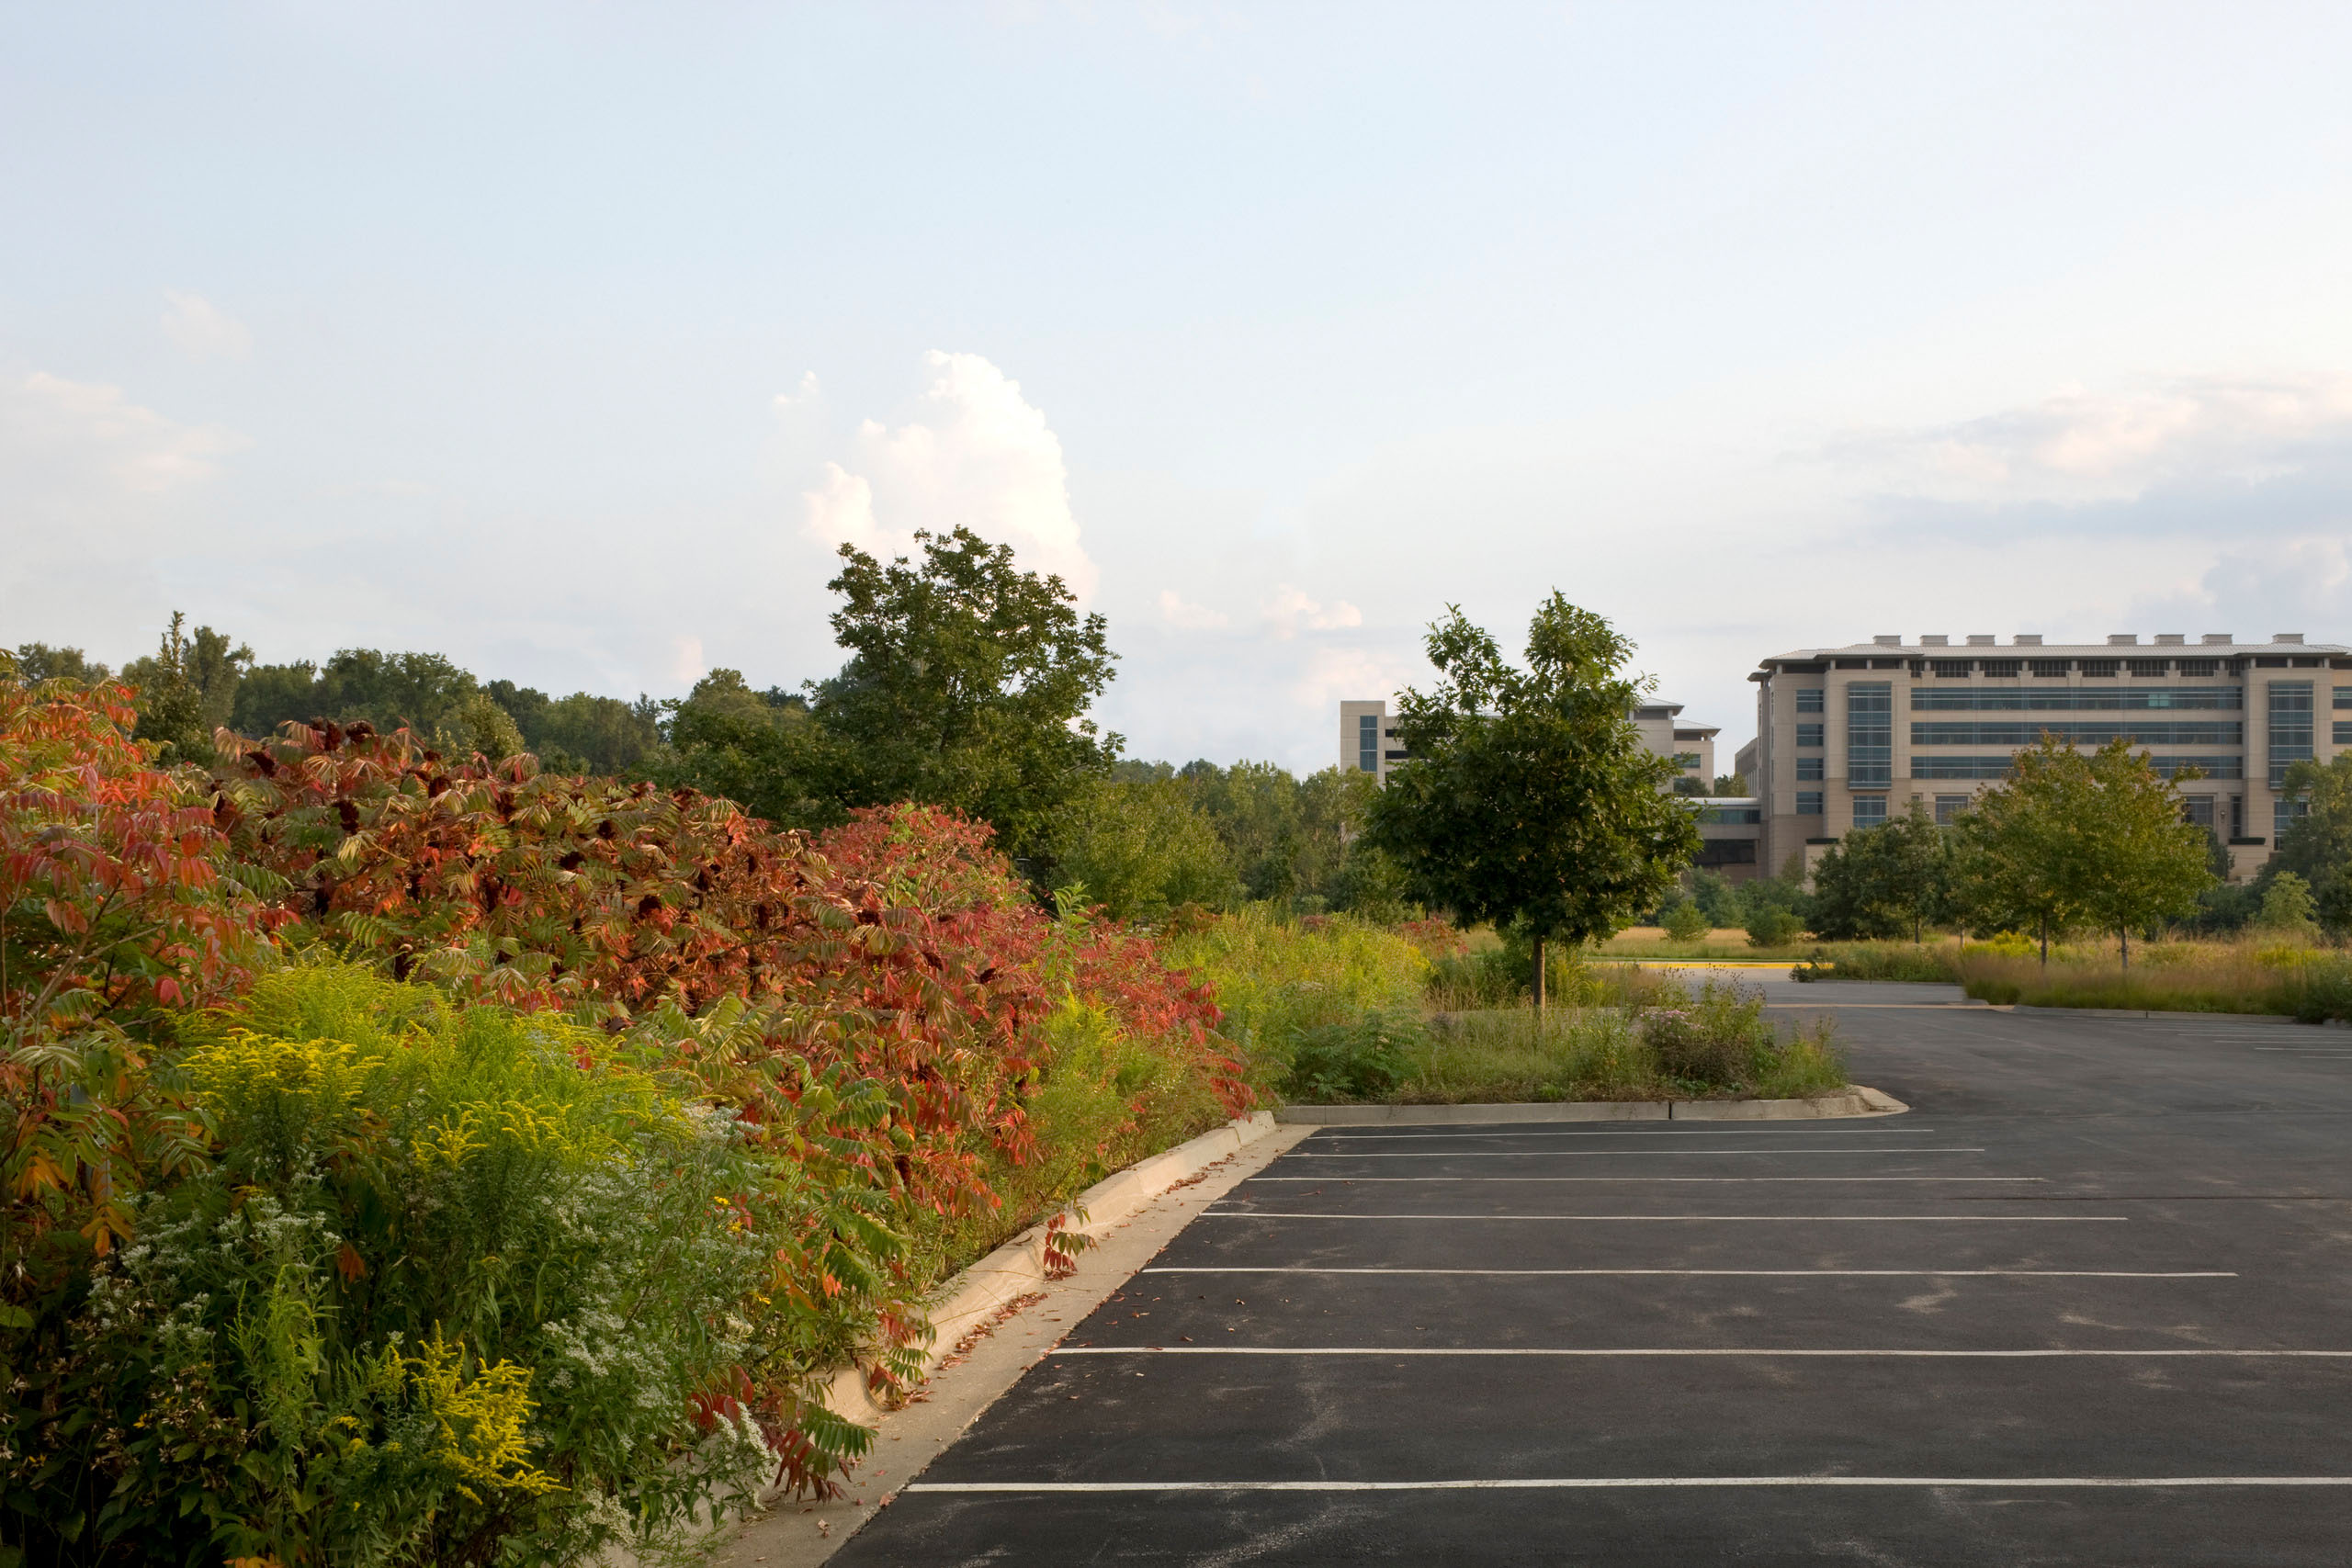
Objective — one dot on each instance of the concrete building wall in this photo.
(2172, 691)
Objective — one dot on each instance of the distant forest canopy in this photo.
(426, 692)
(968, 684)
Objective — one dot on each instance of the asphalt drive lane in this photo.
(2122, 1185)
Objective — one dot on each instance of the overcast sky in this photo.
(568, 341)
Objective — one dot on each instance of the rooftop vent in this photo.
(1888, 639)
(2218, 639)
(1980, 639)
(2028, 639)
(1934, 639)
(2171, 640)
(2122, 639)
(2286, 637)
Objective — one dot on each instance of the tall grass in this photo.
(1275, 978)
(2240, 978)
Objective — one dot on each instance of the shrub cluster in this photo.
(585, 1127)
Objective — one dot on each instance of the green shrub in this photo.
(1768, 927)
(1687, 922)
(1716, 1039)
(1364, 1060)
(450, 1294)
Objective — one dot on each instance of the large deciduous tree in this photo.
(2071, 840)
(968, 685)
(1528, 798)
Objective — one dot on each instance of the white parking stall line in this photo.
(1729, 1273)
(1785, 1130)
(1622, 1483)
(1616, 1154)
(1666, 1219)
(1707, 1351)
(1369, 1181)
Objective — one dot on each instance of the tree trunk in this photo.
(1539, 986)
(2045, 941)
(2124, 933)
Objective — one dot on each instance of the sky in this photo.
(570, 340)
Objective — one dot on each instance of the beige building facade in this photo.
(1847, 737)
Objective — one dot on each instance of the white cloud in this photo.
(1290, 609)
(80, 435)
(686, 665)
(977, 454)
(202, 329)
(2080, 445)
(1185, 616)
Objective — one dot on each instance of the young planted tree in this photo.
(1529, 797)
(2075, 840)
(1884, 881)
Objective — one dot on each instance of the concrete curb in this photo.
(1018, 1267)
(1856, 1100)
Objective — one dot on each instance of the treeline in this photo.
(968, 685)
(198, 681)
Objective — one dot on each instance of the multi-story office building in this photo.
(1846, 737)
(1690, 746)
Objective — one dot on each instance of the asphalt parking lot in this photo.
(2085, 1303)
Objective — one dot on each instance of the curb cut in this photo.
(1854, 1101)
(1018, 1267)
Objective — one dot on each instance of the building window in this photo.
(2284, 814)
(2211, 767)
(2153, 732)
(2290, 727)
(1960, 767)
(1809, 769)
(2044, 668)
(1809, 699)
(1686, 761)
(2031, 699)
(2099, 667)
(2343, 696)
(2158, 667)
(1870, 810)
(1949, 668)
(2237, 817)
(1368, 743)
(1870, 734)
(1809, 735)
(2198, 808)
(2197, 668)
(2343, 732)
(1726, 852)
(1809, 803)
(1948, 808)
(1731, 816)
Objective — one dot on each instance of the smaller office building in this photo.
(1732, 831)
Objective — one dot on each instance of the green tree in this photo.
(1529, 797)
(968, 685)
(1141, 848)
(2318, 846)
(37, 662)
(1886, 881)
(2288, 908)
(2075, 840)
(757, 749)
(187, 689)
(1734, 785)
